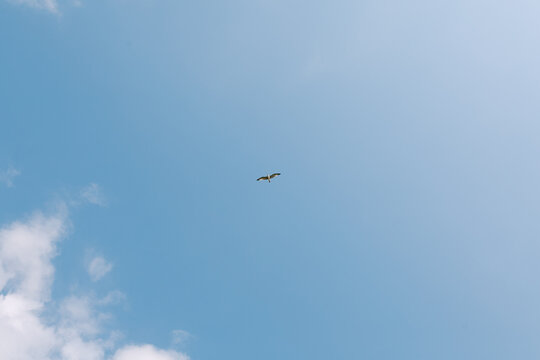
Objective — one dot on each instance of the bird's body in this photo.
(268, 177)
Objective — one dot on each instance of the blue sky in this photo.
(404, 226)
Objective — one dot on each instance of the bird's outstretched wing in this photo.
(274, 175)
(263, 178)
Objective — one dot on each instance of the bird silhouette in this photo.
(268, 177)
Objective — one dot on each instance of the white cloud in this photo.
(26, 250)
(31, 325)
(8, 175)
(147, 352)
(94, 195)
(48, 5)
(26, 275)
(22, 333)
(98, 267)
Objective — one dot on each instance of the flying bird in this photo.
(268, 177)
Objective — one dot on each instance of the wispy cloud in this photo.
(7, 176)
(94, 195)
(31, 325)
(147, 352)
(180, 337)
(113, 298)
(48, 5)
(98, 267)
